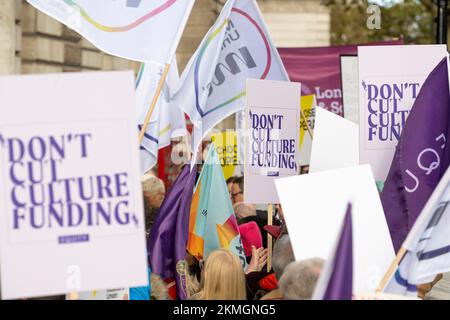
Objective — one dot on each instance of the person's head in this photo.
(300, 278)
(154, 190)
(237, 190)
(244, 210)
(282, 255)
(159, 289)
(223, 277)
(229, 184)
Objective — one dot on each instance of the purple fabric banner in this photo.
(319, 71)
(340, 285)
(167, 242)
(421, 158)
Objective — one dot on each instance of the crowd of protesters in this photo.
(222, 276)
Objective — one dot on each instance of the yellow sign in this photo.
(226, 146)
(307, 104)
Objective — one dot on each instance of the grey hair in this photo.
(282, 255)
(152, 184)
(300, 278)
(244, 210)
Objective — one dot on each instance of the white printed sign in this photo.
(390, 78)
(272, 141)
(72, 216)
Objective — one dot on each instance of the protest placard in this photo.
(227, 150)
(72, 210)
(308, 106)
(314, 220)
(272, 141)
(390, 78)
(335, 143)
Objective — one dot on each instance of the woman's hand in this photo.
(258, 261)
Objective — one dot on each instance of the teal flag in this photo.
(212, 223)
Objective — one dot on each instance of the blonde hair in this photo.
(223, 277)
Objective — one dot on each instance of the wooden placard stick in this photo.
(154, 101)
(269, 237)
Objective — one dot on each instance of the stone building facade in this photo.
(31, 42)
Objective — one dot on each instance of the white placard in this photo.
(314, 206)
(390, 78)
(273, 109)
(350, 93)
(72, 211)
(335, 144)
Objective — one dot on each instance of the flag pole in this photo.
(401, 253)
(306, 122)
(269, 237)
(154, 101)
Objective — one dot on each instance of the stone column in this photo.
(7, 37)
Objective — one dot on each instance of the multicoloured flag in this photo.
(421, 157)
(237, 47)
(168, 237)
(212, 223)
(336, 280)
(131, 29)
(167, 120)
(427, 245)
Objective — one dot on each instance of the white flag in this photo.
(167, 121)
(427, 244)
(141, 30)
(237, 47)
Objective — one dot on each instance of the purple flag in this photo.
(336, 280)
(421, 157)
(167, 241)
